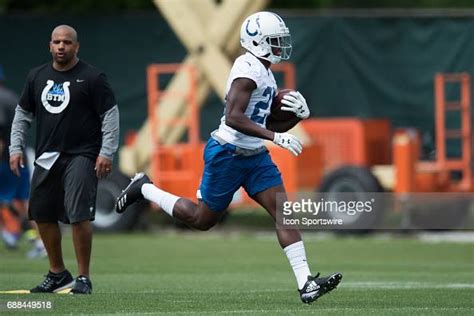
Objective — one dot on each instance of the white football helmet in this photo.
(265, 35)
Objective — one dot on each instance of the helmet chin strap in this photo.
(272, 58)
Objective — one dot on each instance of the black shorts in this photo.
(67, 192)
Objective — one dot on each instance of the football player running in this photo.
(235, 155)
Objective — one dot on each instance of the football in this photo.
(276, 113)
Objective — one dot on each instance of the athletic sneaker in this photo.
(316, 287)
(132, 193)
(54, 282)
(83, 285)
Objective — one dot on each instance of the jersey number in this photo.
(262, 105)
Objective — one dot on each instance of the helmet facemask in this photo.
(279, 47)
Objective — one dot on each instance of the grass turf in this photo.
(225, 273)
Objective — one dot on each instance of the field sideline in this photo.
(239, 274)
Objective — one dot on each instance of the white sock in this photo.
(297, 257)
(164, 199)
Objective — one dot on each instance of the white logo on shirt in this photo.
(58, 92)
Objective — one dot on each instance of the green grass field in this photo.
(235, 273)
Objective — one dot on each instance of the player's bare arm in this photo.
(237, 102)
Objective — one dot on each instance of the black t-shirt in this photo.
(67, 106)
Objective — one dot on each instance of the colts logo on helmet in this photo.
(57, 93)
(256, 30)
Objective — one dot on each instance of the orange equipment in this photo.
(435, 176)
(464, 133)
(367, 143)
(176, 168)
(350, 141)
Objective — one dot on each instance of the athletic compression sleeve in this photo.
(21, 124)
(110, 132)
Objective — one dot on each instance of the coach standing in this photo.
(77, 129)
